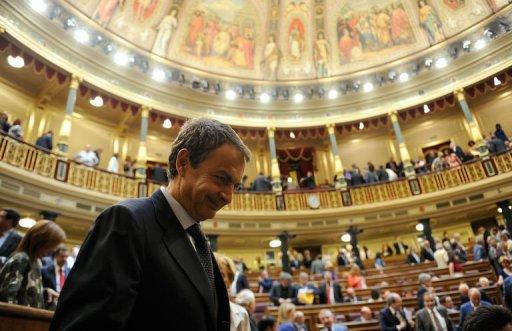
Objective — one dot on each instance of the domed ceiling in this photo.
(285, 40)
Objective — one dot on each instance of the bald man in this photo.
(474, 303)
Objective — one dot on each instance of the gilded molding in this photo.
(330, 128)
(271, 132)
(393, 116)
(144, 111)
(459, 93)
(75, 81)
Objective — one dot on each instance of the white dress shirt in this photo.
(113, 165)
(440, 318)
(183, 216)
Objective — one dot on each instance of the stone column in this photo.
(142, 155)
(274, 165)
(341, 183)
(474, 130)
(402, 147)
(507, 213)
(427, 232)
(65, 128)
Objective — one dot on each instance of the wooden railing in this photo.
(51, 165)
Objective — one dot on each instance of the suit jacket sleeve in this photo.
(420, 322)
(102, 287)
(275, 294)
(385, 323)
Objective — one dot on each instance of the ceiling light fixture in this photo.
(361, 125)
(441, 63)
(368, 87)
(38, 5)
(264, 97)
(16, 61)
(167, 124)
(158, 75)
(346, 238)
(426, 109)
(275, 243)
(333, 94)
(298, 97)
(27, 222)
(81, 36)
(479, 44)
(97, 101)
(230, 94)
(419, 227)
(500, 210)
(496, 81)
(121, 59)
(403, 77)
(292, 135)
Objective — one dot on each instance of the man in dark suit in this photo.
(283, 291)
(261, 184)
(473, 303)
(426, 254)
(146, 264)
(55, 274)
(9, 237)
(306, 292)
(45, 141)
(425, 281)
(432, 318)
(400, 247)
(412, 257)
(393, 317)
(330, 291)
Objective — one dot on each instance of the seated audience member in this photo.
(306, 291)
(439, 163)
(432, 317)
(9, 237)
(412, 256)
(4, 122)
(505, 239)
(300, 321)
(285, 316)
(317, 266)
(330, 291)
(267, 324)
(500, 134)
(392, 175)
(247, 300)
(351, 296)
(45, 141)
(355, 279)
(479, 249)
(307, 260)
(379, 261)
(441, 256)
(382, 174)
(425, 281)
(128, 166)
(496, 145)
(474, 303)
(342, 258)
(366, 315)
(400, 247)
(283, 291)
(507, 292)
(426, 254)
(55, 274)
(21, 282)
(492, 318)
(308, 181)
(473, 149)
(87, 156)
(447, 302)
(326, 317)
(464, 293)
(158, 174)
(264, 282)
(451, 158)
(113, 163)
(393, 317)
(16, 131)
(239, 315)
(483, 283)
(375, 295)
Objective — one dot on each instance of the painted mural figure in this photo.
(382, 23)
(430, 22)
(143, 9)
(454, 4)
(270, 58)
(105, 10)
(165, 30)
(400, 27)
(321, 53)
(296, 39)
(196, 27)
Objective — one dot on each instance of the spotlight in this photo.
(158, 75)
(441, 63)
(121, 59)
(466, 45)
(333, 94)
(264, 97)
(81, 36)
(275, 243)
(403, 77)
(346, 238)
(290, 180)
(426, 109)
(361, 125)
(97, 101)
(27, 222)
(230, 94)
(16, 61)
(419, 227)
(496, 81)
(292, 135)
(298, 97)
(38, 5)
(479, 44)
(500, 210)
(428, 62)
(368, 87)
(167, 124)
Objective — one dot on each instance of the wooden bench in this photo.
(21, 318)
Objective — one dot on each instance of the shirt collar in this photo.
(6, 233)
(183, 216)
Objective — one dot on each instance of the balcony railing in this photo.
(32, 159)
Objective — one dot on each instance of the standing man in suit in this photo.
(146, 264)
(425, 281)
(432, 318)
(393, 317)
(330, 291)
(427, 254)
(45, 141)
(474, 303)
(55, 274)
(9, 237)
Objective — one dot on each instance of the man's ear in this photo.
(182, 162)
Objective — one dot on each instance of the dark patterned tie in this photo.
(203, 252)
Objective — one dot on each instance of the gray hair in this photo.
(200, 137)
(423, 278)
(392, 298)
(245, 298)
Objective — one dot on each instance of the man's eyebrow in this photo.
(224, 173)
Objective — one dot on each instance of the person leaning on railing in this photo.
(21, 282)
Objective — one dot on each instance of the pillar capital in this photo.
(271, 131)
(393, 116)
(330, 128)
(75, 81)
(144, 111)
(459, 93)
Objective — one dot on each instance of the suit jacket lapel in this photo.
(179, 247)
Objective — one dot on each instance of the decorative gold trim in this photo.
(144, 111)
(75, 81)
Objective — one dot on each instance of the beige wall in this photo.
(360, 147)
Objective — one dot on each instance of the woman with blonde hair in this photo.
(355, 279)
(285, 316)
(21, 282)
(239, 316)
